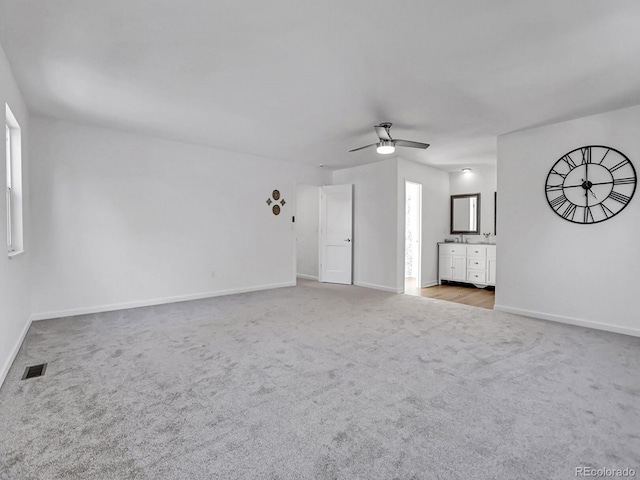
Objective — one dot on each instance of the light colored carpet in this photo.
(319, 382)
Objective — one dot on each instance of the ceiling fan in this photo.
(387, 144)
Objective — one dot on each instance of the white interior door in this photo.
(336, 230)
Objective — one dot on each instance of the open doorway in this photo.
(324, 230)
(307, 223)
(412, 236)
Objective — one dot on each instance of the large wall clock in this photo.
(591, 184)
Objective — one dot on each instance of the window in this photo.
(14, 183)
(9, 222)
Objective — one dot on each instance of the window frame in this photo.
(13, 184)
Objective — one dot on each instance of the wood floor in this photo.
(468, 295)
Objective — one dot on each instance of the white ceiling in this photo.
(305, 81)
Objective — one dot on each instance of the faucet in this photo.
(461, 239)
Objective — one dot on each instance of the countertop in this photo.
(465, 243)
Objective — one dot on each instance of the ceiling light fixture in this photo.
(466, 170)
(385, 147)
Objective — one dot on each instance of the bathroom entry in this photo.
(412, 236)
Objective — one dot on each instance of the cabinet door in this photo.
(459, 269)
(491, 271)
(445, 269)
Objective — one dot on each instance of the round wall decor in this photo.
(590, 184)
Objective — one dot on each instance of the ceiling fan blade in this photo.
(361, 148)
(409, 143)
(382, 132)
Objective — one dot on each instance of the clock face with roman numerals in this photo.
(591, 184)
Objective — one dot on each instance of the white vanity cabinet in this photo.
(452, 262)
(461, 262)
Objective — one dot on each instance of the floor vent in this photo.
(34, 371)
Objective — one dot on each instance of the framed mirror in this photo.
(465, 213)
(495, 213)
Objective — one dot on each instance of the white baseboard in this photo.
(308, 277)
(154, 301)
(569, 320)
(377, 287)
(14, 353)
(430, 283)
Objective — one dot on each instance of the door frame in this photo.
(404, 230)
(350, 239)
(296, 232)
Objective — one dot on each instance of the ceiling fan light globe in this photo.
(385, 148)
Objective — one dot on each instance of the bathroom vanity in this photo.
(467, 262)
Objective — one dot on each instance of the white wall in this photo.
(307, 230)
(379, 196)
(482, 180)
(375, 223)
(435, 215)
(14, 272)
(551, 268)
(122, 220)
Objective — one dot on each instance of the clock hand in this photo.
(587, 184)
(602, 183)
(586, 172)
(586, 197)
(580, 185)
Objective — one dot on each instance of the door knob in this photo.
(348, 240)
